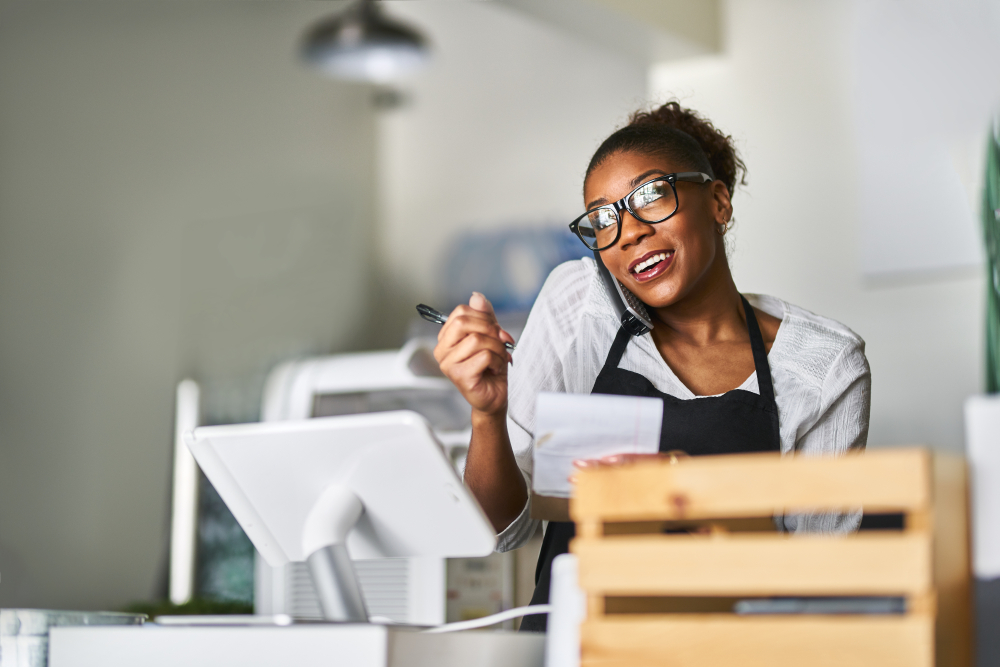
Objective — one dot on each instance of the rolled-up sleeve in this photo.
(845, 406)
(523, 527)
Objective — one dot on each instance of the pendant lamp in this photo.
(361, 44)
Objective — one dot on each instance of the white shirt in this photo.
(822, 382)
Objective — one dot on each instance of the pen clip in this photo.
(430, 314)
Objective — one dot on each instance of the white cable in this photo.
(492, 620)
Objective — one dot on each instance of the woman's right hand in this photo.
(471, 353)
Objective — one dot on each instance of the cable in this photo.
(492, 620)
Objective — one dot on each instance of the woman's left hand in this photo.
(617, 460)
(624, 459)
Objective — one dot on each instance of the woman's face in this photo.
(691, 248)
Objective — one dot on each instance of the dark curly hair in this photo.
(680, 135)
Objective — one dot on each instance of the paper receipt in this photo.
(588, 426)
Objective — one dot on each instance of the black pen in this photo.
(437, 317)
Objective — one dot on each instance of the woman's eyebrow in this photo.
(600, 201)
(643, 176)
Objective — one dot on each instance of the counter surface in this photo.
(321, 644)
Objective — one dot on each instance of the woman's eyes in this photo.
(604, 219)
(646, 196)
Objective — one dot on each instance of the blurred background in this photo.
(182, 196)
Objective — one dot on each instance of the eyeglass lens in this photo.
(653, 202)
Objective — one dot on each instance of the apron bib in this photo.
(736, 422)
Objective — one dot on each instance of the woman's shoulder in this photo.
(572, 309)
(572, 276)
(812, 345)
(555, 348)
(574, 288)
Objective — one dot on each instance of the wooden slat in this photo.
(952, 562)
(776, 641)
(753, 485)
(751, 524)
(748, 564)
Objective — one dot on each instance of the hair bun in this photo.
(648, 131)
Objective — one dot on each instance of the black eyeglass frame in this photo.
(623, 205)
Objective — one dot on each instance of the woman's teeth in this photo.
(655, 259)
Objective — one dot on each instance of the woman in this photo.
(736, 373)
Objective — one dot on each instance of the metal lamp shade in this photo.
(362, 45)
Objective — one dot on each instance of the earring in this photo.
(723, 227)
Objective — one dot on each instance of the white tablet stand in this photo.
(327, 490)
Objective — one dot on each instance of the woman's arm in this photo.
(491, 471)
(472, 355)
(499, 464)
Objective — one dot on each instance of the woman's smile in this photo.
(651, 265)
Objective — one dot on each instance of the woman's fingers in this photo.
(477, 317)
(621, 459)
(468, 375)
(471, 345)
(459, 326)
(486, 360)
(482, 304)
(617, 460)
(479, 302)
(471, 353)
(466, 332)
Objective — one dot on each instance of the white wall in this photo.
(925, 86)
(498, 131)
(784, 89)
(178, 197)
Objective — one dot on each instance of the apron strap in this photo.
(761, 366)
(615, 353)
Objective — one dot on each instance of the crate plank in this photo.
(748, 564)
(952, 561)
(722, 640)
(745, 485)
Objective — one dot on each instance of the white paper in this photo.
(569, 427)
(982, 429)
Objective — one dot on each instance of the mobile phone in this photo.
(634, 316)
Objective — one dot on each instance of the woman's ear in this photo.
(722, 204)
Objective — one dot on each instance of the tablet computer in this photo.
(271, 475)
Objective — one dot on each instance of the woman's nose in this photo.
(633, 230)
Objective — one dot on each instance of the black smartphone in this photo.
(634, 316)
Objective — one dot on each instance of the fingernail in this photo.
(580, 463)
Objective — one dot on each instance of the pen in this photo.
(437, 317)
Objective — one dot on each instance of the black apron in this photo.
(735, 422)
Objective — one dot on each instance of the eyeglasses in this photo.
(653, 201)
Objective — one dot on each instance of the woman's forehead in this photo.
(617, 175)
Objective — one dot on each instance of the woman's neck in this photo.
(711, 313)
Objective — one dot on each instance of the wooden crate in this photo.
(657, 598)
